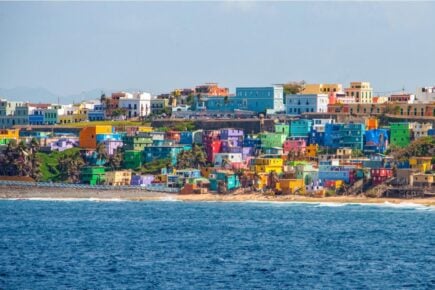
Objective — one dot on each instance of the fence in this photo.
(158, 188)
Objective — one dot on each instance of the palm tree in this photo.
(102, 155)
(115, 161)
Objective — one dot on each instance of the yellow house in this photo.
(267, 165)
(311, 150)
(322, 88)
(117, 178)
(9, 134)
(78, 113)
(422, 164)
(290, 186)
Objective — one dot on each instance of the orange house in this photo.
(88, 135)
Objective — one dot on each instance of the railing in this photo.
(159, 188)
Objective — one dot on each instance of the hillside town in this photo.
(296, 138)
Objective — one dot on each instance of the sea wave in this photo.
(70, 199)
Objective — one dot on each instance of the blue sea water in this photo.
(178, 245)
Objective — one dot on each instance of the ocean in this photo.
(188, 245)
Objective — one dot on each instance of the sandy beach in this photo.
(9, 192)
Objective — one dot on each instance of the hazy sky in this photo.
(73, 47)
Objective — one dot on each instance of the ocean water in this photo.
(179, 245)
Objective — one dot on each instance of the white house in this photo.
(137, 104)
(425, 95)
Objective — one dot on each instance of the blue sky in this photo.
(74, 47)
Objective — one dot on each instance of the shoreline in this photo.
(40, 193)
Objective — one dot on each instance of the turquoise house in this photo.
(230, 179)
(152, 153)
(300, 128)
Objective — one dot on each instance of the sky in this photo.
(156, 47)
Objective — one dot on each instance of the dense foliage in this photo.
(20, 159)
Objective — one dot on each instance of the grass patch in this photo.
(50, 161)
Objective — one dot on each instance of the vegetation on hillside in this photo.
(50, 170)
(192, 158)
(424, 146)
(20, 159)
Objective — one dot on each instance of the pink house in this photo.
(296, 145)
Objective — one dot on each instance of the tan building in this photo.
(420, 129)
(422, 180)
(361, 91)
(118, 178)
(317, 89)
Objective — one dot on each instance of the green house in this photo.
(137, 143)
(400, 134)
(92, 175)
(132, 159)
(269, 140)
(231, 180)
(282, 128)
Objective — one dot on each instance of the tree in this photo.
(115, 161)
(292, 88)
(194, 158)
(21, 160)
(69, 167)
(102, 155)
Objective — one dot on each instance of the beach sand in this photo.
(15, 192)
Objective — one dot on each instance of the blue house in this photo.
(37, 117)
(344, 135)
(97, 114)
(255, 99)
(310, 103)
(376, 141)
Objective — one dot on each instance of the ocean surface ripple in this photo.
(180, 245)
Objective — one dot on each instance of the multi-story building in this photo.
(158, 106)
(361, 91)
(255, 99)
(300, 128)
(420, 129)
(13, 113)
(306, 103)
(97, 113)
(344, 135)
(136, 105)
(376, 141)
(425, 95)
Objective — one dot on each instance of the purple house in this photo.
(142, 180)
(112, 145)
(64, 143)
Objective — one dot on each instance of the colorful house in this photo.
(329, 172)
(400, 134)
(344, 135)
(269, 140)
(118, 178)
(291, 186)
(311, 150)
(379, 175)
(92, 175)
(296, 146)
(137, 142)
(142, 180)
(267, 165)
(422, 164)
(229, 178)
(376, 141)
(300, 128)
(88, 135)
(306, 103)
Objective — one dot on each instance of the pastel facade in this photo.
(361, 91)
(420, 129)
(295, 146)
(269, 140)
(267, 165)
(313, 103)
(421, 164)
(425, 95)
(118, 178)
(322, 88)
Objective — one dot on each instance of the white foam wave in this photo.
(68, 199)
